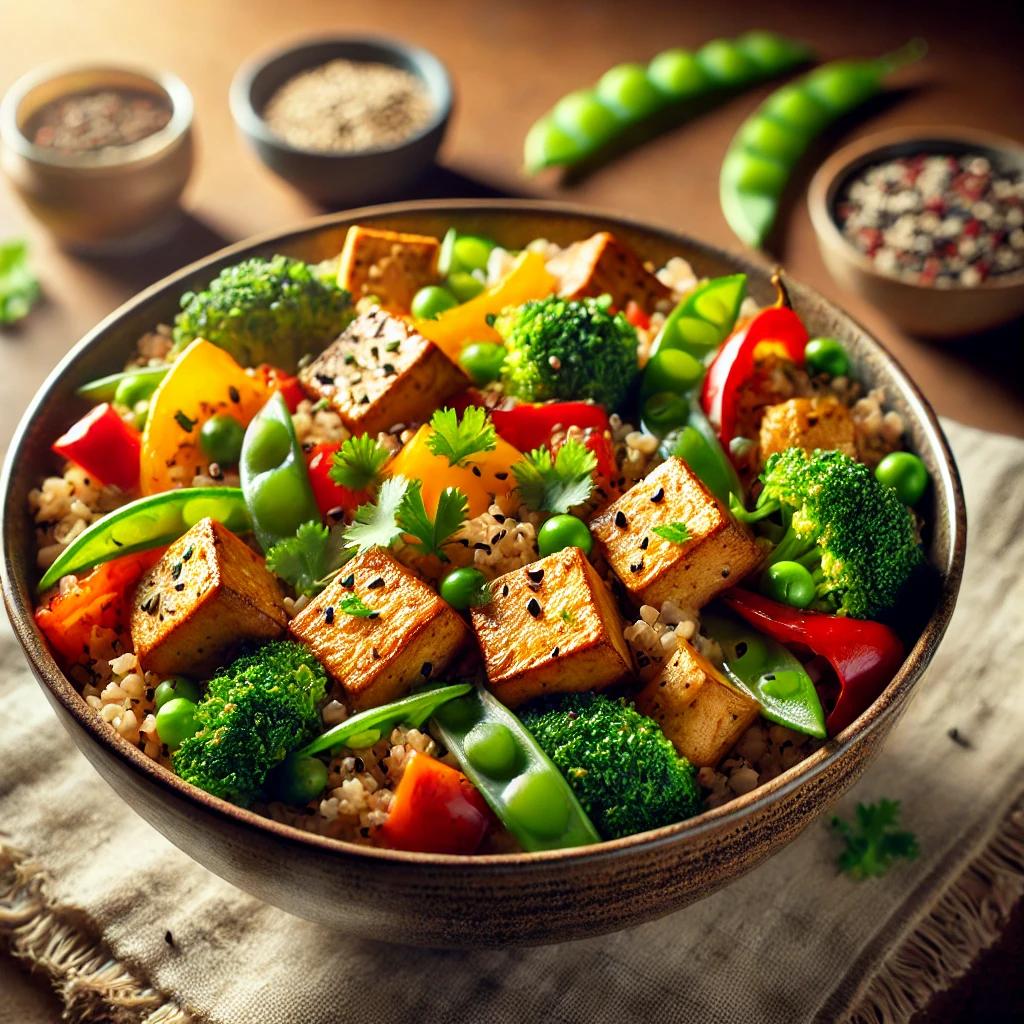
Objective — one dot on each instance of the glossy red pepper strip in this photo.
(104, 446)
(528, 426)
(733, 367)
(330, 496)
(864, 655)
(286, 383)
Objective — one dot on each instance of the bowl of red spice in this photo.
(928, 225)
(100, 154)
(345, 120)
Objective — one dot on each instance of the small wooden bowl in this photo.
(505, 899)
(918, 308)
(118, 199)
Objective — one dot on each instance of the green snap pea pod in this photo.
(768, 673)
(104, 389)
(525, 790)
(765, 150)
(366, 728)
(704, 318)
(147, 523)
(587, 120)
(274, 477)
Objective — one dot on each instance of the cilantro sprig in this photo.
(358, 462)
(873, 841)
(307, 560)
(400, 510)
(456, 439)
(353, 604)
(559, 483)
(677, 533)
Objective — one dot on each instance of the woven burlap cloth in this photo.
(89, 892)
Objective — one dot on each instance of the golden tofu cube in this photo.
(602, 265)
(207, 594)
(696, 707)
(389, 265)
(718, 554)
(381, 372)
(552, 627)
(808, 423)
(411, 636)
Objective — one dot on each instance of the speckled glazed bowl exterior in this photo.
(496, 900)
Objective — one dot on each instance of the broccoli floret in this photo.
(266, 311)
(625, 773)
(854, 535)
(256, 711)
(559, 348)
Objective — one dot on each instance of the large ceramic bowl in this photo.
(493, 900)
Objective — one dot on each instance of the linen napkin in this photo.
(130, 929)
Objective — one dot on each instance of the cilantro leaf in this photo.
(358, 462)
(432, 534)
(19, 287)
(456, 440)
(353, 604)
(558, 484)
(677, 533)
(375, 524)
(873, 841)
(302, 560)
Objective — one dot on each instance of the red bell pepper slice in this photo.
(330, 496)
(864, 655)
(635, 314)
(287, 384)
(733, 367)
(435, 809)
(528, 426)
(104, 446)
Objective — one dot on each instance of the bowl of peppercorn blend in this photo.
(344, 120)
(928, 225)
(99, 154)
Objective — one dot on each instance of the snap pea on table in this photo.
(148, 523)
(587, 120)
(768, 145)
(516, 778)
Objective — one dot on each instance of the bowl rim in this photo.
(252, 122)
(845, 162)
(111, 157)
(60, 688)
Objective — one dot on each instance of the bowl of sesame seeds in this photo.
(927, 225)
(344, 119)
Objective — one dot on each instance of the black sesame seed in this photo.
(504, 590)
(620, 520)
(349, 580)
(725, 573)
(644, 543)
(481, 546)
(658, 496)
(533, 607)
(375, 584)
(392, 346)
(426, 668)
(187, 554)
(234, 395)
(535, 574)
(501, 476)
(359, 764)
(176, 570)
(324, 378)
(637, 565)
(375, 654)
(179, 587)
(329, 614)
(476, 471)
(499, 518)
(365, 400)
(555, 651)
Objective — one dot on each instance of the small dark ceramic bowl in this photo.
(342, 178)
(918, 308)
(510, 898)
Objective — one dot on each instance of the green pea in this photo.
(176, 686)
(771, 52)
(677, 73)
(672, 370)
(750, 172)
(483, 360)
(842, 85)
(297, 780)
(463, 285)
(790, 583)
(470, 252)
(140, 413)
(465, 588)
(548, 145)
(798, 109)
(274, 501)
(826, 355)
(771, 138)
(537, 802)
(220, 437)
(431, 301)
(135, 388)
(491, 747)
(268, 445)
(564, 531)
(784, 684)
(725, 63)
(665, 411)
(906, 474)
(583, 115)
(627, 90)
(176, 722)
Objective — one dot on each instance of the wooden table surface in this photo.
(510, 62)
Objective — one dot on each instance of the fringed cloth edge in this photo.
(92, 986)
(968, 918)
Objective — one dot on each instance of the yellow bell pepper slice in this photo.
(203, 381)
(485, 475)
(455, 327)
